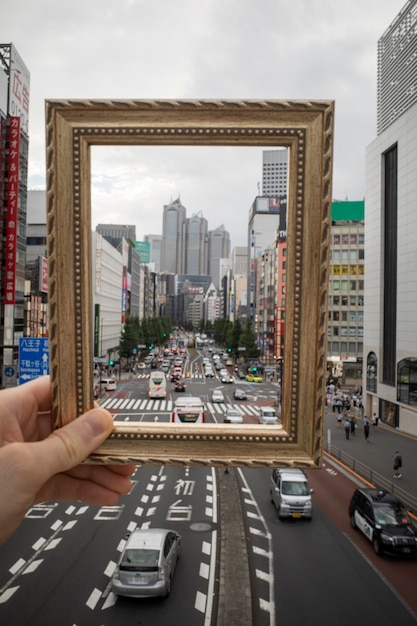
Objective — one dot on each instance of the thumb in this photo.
(68, 446)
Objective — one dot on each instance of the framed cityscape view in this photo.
(306, 129)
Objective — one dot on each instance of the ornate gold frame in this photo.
(306, 128)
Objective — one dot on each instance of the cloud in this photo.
(281, 49)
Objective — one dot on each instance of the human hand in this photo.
(37, 465)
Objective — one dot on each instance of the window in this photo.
(336, 300)
(352, 316)
(344, 300)
(371, 372)
(353, 285)
(352, 300)
(407, 381)
(343, 331)
(345, 285)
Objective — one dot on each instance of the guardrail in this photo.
(368, 474)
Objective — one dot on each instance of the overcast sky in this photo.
(244, 49)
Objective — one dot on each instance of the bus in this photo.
(157, 384)
(188, 410)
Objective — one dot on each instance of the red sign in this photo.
(12, 209)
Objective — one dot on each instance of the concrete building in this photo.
(264, 220)
(155, 245)
(390, 329)
(346, 291)
(108, 269)
(218, 248)
(173, 234)
(196, 244)
(275, 173)
(14, 148)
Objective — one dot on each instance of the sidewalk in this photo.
(379, 452)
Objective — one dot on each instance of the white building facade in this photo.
(390, 329)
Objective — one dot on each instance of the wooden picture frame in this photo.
(306, 128)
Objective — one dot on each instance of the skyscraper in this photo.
(173, 233)
(196, 244)
(218, 248)
(275, 173)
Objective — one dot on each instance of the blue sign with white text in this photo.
(33, 358)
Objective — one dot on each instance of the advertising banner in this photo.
(12, 208)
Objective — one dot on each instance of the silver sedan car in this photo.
(147, 564)
(233, 416)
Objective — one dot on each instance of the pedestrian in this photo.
(375, 420)
(398, 463)
(366, 428)
(347, 428)
(352, 424)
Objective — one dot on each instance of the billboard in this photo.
(19, 88)
(143, 248)
(12, 208)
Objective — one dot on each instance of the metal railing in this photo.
(371, 476)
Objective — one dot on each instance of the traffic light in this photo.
(254, 368)
(150, 346)
(111, 362)
(229, 349)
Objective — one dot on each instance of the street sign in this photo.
(242, 348)
(33, 358)
(9, 376)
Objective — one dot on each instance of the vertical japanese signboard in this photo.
(12, 209)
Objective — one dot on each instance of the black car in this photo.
(180, 386)
(384, 520)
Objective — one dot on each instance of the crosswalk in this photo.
(166, 406)
(192, 376)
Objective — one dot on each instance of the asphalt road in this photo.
(57, 567)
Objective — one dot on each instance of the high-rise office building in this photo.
(218, 248)
(390, 329)
(196, 244)
(275, 173)
(173, 233)
(155, 244)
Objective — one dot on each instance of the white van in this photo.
(109, 384)
(267, 415)
(291, 493)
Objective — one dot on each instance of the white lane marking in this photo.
(111, 566)
(53, 543)
(204, 570)
(39, 543)
(268, 554)
(4, 597)
(94, 598)
(110, 601)
(32, 567)
(17, 566)
(200, 602)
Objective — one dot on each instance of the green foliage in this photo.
(150, 331)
